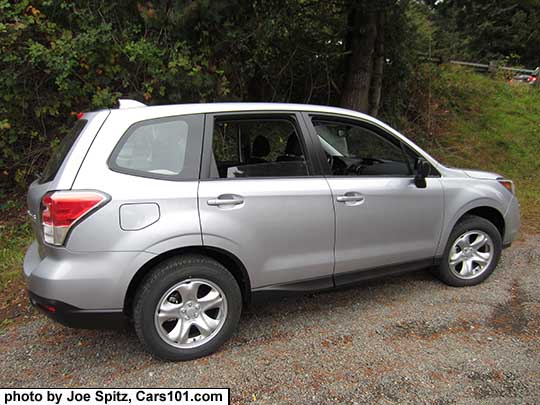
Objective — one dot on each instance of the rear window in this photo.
(167, 148)
(60, 152)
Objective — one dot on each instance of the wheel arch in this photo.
(484, 208)
(491, 214)
(232, 263)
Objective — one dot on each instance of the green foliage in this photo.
(59, 58)
(407, 36)
(490, 125)
(485, 30)
(14, 239)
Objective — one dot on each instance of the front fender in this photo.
(456, 214)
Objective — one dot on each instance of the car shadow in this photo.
(109, 352)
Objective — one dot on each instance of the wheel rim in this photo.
(191, 313)
(471, 254)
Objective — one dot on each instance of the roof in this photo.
(201, 108)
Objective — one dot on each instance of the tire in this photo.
(184, 291)
(461, 248)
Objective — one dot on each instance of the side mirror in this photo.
(423, 168)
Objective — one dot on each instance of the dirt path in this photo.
(401, 339)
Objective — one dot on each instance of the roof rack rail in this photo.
(128, 103)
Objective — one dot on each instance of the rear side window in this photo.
(60, 152)
(167, 148)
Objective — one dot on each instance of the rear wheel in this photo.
(472, 252)
(187, 308)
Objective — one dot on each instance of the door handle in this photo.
(351, 197)
(226, 200)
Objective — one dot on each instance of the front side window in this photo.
(355, 150)
(257, 148)
(166, 148)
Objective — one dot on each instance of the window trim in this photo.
(192, 158)
(294, 117)
(309, 116)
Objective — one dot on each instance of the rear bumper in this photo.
(88, 281)
(74, 317)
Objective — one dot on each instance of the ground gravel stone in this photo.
(406, 339)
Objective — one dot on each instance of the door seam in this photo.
(335, 231)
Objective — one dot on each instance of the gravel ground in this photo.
(400, 339)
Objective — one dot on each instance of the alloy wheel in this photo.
(471, 254)
(191, 313)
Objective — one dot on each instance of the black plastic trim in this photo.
(341, 279)
(74, 317)
(313, 284)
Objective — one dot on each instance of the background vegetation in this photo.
(58, 58)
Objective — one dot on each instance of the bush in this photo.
(60, 58)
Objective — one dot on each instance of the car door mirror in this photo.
(423, 168)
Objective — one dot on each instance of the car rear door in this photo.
(262, 198)
(384, 223)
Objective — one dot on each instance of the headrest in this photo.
(260, 147)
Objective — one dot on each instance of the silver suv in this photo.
(175, 216)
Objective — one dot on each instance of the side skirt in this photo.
(353, 277)
(339, 280)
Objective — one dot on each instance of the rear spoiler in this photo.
(127, 103)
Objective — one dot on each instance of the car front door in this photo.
(383, 221)
(262, 199)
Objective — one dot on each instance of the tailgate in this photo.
(63, 166)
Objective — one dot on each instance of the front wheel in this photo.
(187, 308)
(472, 252)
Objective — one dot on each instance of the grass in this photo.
(15, 236)
(14, 239)
(490, 124)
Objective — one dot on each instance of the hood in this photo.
(477, 174)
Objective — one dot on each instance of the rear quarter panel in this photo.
(177, 200)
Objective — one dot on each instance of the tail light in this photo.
(61, 210)
(508, 184)
(532, 79)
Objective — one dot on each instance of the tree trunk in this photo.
(378, 67)
(362, 36)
